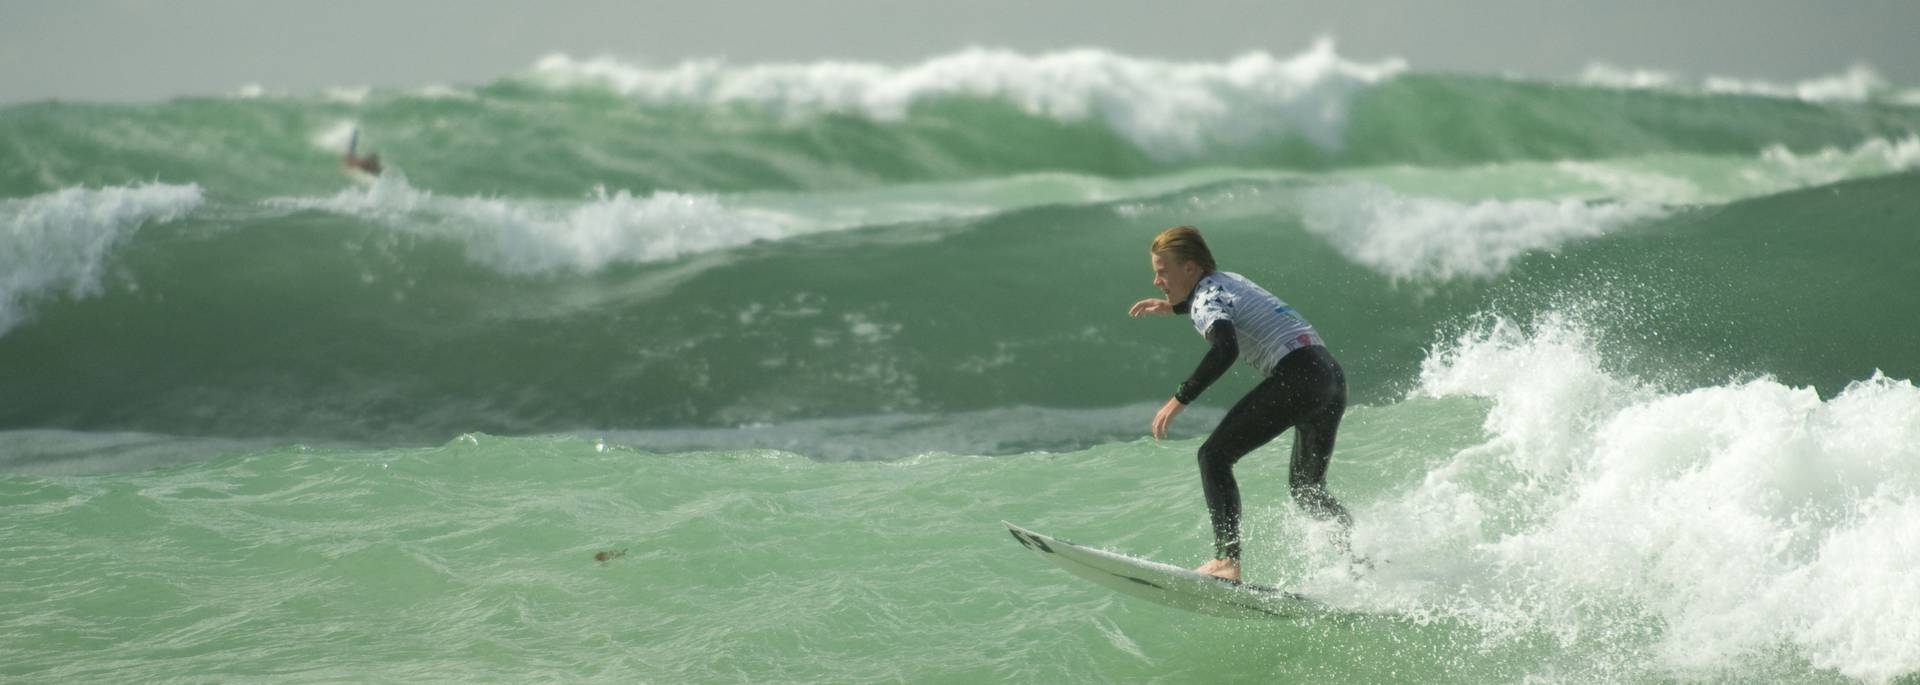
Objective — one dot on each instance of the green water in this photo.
(731, 374)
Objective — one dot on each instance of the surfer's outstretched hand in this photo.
(1165, 418)
(1151, 306)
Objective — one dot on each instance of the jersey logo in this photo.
(1217, 297)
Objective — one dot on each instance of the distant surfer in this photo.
(1303, 387)
(369, 163)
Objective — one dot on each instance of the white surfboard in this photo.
(1167, 584)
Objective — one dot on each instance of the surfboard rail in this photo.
(1166, 584)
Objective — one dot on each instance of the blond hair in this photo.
(1184, 242)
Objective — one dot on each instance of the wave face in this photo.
(393, 313)
(1631, 361)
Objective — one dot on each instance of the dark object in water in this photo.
(369, 163)
(606, 555)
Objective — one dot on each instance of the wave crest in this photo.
(1169, 108)
(1409, 237)
(1858, 83)
(58, 243)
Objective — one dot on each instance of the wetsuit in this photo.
(1304, 389)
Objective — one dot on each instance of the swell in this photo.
(543, 140)
(317, 324)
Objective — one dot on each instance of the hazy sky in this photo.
(147, 49)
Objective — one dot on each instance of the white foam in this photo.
(1169, 108)
(351, 95)
(58, 243)
(1615, 180)
(441, 91)
(1420, 238)
(533, 236)
(1665, 178)
(1711, 527)
(1876, 156)
(1858, 83)
(529, 236)
(1610, 76)
(1507, 361)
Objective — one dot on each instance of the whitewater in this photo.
(714, 372)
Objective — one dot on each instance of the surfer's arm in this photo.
(1220, 357)
(1225, 348)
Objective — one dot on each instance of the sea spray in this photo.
(1709, 527)
(58, 244)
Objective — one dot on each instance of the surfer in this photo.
(1302, 388)
(369, 163)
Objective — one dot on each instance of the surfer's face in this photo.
(1174, 276)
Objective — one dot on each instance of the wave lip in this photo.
(1830, 164)
(1859, 83)
(526, 236)
(529, 237)
(1167, 108)
(58, 243)
(1408, 237)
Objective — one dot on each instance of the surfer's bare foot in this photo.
(1228, 569)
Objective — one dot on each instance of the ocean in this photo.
(716, 372)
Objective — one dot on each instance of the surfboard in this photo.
(1167, 584)
(359, 176)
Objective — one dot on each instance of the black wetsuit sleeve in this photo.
(1225, 349)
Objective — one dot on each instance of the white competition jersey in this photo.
(1266, 328)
